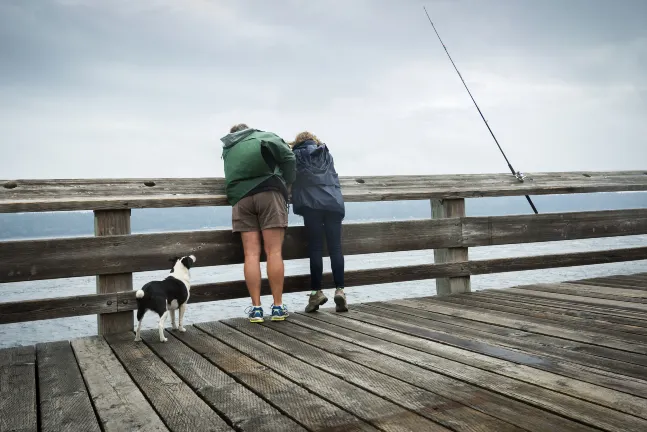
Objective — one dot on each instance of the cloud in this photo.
(144, 89)
(193, 16)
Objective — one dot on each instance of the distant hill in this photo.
(66, 224)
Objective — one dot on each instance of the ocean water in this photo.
(69, 328)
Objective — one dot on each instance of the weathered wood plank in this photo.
(637, 318)
(175, 403)
(555, 261)
(111, 223)
(628, 277)
(382, 414)
(63, 400)
(620, 305)
(619, 285)
(609, 322)
(238, 289)
(608, 359)
(117, 400)
(84, 256)
(618, 281)
(18, 389)
(59, 307)
(110, 194)
(607, 279)
(141, 186)
(341, 342)
(634, 280)
(441, 209)
(569, 407)
(423, 402)
(499, 230)
(611, 293)
(526, 323)
(238, 405)
(634, 277)
(535, 368)
(290, 398)
(612, 330)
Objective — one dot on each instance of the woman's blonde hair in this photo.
(305, 136)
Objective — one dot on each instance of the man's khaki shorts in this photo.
(259, 212)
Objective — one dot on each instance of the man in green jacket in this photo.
(259, 170)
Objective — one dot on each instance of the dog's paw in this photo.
(138, 339)
(164, 340)
(182, 329)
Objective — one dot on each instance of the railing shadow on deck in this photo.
(448, 232)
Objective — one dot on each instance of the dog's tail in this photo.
(139, 294)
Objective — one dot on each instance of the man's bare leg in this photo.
(273, 242)
(252, 269)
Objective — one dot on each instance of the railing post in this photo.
(446, 209)
(113, 222)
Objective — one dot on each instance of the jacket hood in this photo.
(318, 159)
(232, 139)
(313, 146)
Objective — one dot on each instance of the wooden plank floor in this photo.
(546, 357)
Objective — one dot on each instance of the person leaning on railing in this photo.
(259, 167)
(316, 195)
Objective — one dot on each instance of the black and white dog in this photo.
(166, 296)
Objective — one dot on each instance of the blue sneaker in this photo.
(255, 314)
(279, 313)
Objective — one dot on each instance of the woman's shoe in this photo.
(315, 301)
(340, 301)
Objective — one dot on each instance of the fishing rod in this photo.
(517, 174)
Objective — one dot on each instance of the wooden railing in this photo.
(114, 254)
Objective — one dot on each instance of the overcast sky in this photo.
(146, 88)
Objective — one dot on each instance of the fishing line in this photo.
(517, 174)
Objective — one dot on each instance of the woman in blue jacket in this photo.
(316, 195)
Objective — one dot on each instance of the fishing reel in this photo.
(520, 176)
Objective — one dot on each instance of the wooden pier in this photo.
(548, 357)
(553, 357)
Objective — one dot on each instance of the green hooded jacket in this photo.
(252, 156)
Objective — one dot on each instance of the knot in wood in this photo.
(10, 185)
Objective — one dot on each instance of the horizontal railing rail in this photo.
(32, 310)
(113, 254)
(113, 194)
(26, 260)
